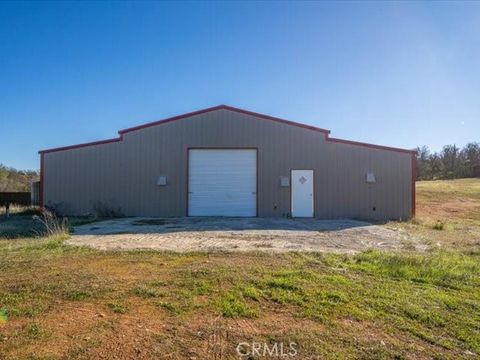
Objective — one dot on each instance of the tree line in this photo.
(12, 179)
(451, 162)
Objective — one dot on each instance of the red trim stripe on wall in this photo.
(42, 180)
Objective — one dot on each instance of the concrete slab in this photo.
(238, 234)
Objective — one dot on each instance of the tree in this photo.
(16, 180)
(449, 158)
(436, 165)
(471, 155)
(451, 163)
(423, 163)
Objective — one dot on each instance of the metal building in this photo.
(224, 161)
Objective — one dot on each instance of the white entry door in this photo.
(302, 193)
(222, 182)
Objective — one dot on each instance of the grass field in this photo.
(60, 302)
(448, 214)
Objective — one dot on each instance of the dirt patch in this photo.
(239, 234)
(449, 208)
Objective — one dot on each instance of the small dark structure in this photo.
(19, 198)
(35, 194)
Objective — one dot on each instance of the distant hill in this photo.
(12, 179)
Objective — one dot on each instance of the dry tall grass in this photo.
(53, 226)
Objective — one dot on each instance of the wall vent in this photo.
(162, 180)
(284, 181)
(371, 178)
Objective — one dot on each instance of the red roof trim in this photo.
(372, 146)
(81, 145)
(225, 107)
(231, 108)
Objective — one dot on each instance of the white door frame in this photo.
(312, 194)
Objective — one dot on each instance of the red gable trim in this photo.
(81, 145)
(174, 118)
(372, 146)
(225, 107)
(183, 116)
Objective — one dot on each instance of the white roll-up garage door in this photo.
(222, 182)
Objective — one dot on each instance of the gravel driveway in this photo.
(237, 234)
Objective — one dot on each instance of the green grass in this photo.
(74, 295)
(233, 304)
(447, 189)
(429, 300)
(442, 268)
(168, 306)
(118, 307)
(146, 291)
(438, 225)
(3, 316)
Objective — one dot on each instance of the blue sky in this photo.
(394, 73)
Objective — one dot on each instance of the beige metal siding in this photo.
(123, 175)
